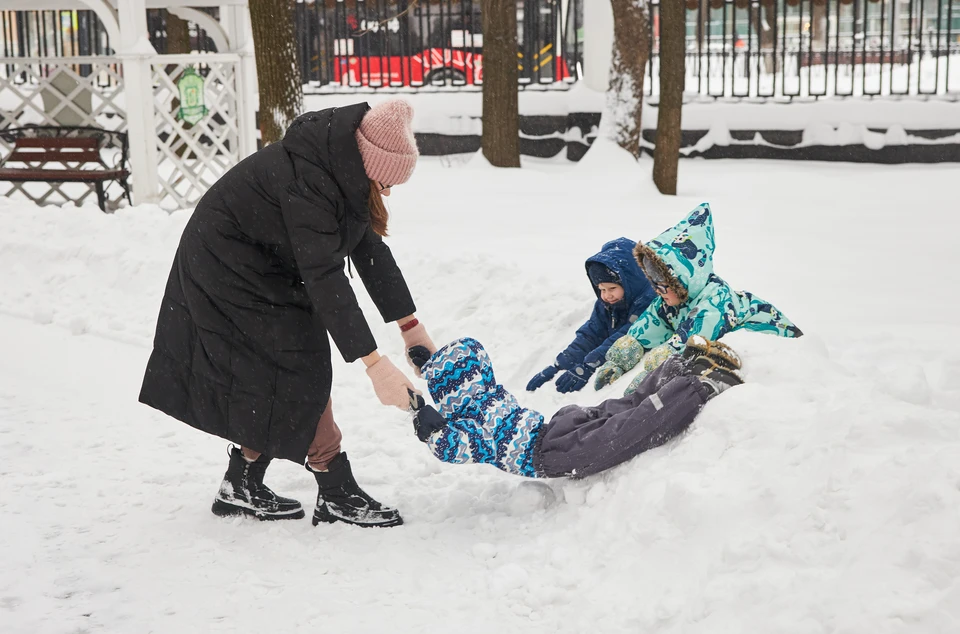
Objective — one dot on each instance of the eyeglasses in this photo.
(382, 186)
(663, 289)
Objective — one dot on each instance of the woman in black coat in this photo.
(241, 348)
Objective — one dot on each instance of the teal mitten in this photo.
(606, 374)
(622, 357)
(650, 362)
(626, 352)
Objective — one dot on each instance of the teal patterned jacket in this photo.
(684, 254)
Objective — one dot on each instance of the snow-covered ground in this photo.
(822, 496)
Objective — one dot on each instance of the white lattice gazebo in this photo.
(135, 90)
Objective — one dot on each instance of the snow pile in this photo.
(821, 496)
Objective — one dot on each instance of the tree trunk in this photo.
(178, 42)
(631, 51)
(501, 111)
(278, 71)
(666, 156)
(178, 35)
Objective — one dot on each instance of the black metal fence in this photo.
(80, 33)
(757, 49)
(820, 48)
(52, 34)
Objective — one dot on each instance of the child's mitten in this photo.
(625, 352)
(635, 383)
(650, 362)
(418, 356)
(607, 374)
(426, 420)
(574, 379)
(542, 377)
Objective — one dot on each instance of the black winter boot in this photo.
(242, 492)
(717, 379)
(340, 499)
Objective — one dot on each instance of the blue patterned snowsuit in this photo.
(483, 423)
(609, 323)
(710, 307)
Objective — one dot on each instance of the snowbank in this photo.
(822, 496)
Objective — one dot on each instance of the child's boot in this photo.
(340, 499)
(243, 492)
(715, 378)
(720, 353)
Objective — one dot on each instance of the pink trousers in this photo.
(325, 445)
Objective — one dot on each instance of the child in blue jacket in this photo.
(623, 294)
(478, 421)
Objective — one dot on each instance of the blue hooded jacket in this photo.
(609, 323)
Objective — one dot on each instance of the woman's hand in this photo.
(415, 334)
(389, 383)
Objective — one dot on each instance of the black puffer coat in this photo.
(241, 348)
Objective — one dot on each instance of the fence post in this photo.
(236, 19)
(136, 52)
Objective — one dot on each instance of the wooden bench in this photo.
(75, 150)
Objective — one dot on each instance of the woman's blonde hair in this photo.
(378, 210)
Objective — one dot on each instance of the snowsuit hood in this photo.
(617, 255)
(485, 423)
(683, 254)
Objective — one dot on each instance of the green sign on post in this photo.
(192, 107)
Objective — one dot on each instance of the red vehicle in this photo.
(455, 66)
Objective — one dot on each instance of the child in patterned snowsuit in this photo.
(693, 300)
(477, 420)
(623, 293)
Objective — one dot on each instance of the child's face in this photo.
(610, 293)
(668, 295)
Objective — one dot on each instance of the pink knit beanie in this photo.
(386, 142)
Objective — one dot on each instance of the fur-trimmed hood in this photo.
(682, 255)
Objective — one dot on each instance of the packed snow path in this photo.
(823, 496)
